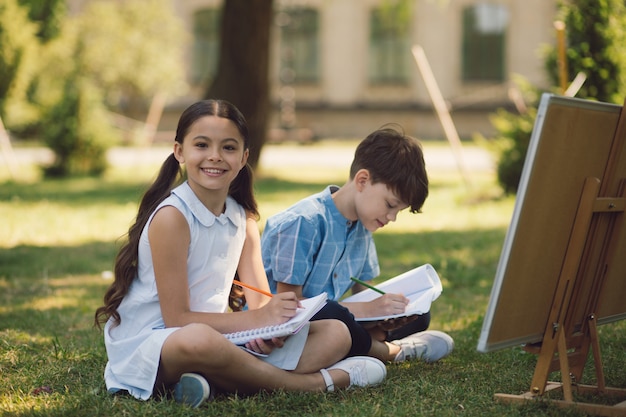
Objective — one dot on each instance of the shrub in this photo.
(512, 143)
(76, 129)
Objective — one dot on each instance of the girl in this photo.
(166, 310)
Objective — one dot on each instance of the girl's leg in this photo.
(328, 342)
(199, 348)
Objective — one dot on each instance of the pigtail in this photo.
(127, 258)
(242, 190)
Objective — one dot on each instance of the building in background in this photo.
(342, 68)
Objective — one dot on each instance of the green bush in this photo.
(595, 34)
(512, 144)
(76, 129)
(18, 54)
(595, 38)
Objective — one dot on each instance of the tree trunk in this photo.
(243, 69)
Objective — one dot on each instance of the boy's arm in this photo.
(356, 288)
(282, 287)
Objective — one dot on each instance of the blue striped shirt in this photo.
(311, 244)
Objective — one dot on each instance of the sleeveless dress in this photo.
(134, 346)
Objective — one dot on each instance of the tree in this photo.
(595, 37)
(48, 15)
(113, 55)
(132, 51)
(242, 75)
(18, 49)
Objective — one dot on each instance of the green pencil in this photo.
(371, 287)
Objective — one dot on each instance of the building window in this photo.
(299, 48)
(484, 29)
(389, 59)
(206, 35)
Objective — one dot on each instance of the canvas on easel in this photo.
(558, 276)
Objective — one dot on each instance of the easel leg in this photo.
(595, 345)
(564, 363)
(565, 385)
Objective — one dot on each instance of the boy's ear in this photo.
(361, 178)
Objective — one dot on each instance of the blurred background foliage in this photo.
(61, 74)
(595, 34)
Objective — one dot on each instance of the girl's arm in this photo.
(169, 240)
(250, 269)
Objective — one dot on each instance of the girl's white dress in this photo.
(134, 346)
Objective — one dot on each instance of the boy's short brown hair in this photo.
(396, 160)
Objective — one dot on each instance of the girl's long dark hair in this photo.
(170, 175)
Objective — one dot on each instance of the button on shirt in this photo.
(311, 244)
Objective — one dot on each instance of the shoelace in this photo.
(356, 376)
(415, 351)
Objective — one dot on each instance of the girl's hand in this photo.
(280, 309)
(265, 346)
(387, 305)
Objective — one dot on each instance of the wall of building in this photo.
(343, 103)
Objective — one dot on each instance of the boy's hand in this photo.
(387, 305)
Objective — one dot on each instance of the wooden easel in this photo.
(571, 329)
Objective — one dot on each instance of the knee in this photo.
(334, 331)
(197, 340)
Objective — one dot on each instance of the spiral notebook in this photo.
(310, 306)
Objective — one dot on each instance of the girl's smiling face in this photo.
(214, 152)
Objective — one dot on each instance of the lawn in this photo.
(58, 240)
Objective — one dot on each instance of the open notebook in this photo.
(310, 306)
(421, 286)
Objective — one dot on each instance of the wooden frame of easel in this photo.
(563, 348)
(571, 329)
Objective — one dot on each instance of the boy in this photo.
(320, 242)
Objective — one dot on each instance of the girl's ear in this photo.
(178, 153)
(361, 178)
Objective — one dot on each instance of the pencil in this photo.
(371, 287)
(250, 287)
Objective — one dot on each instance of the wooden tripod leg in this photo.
(564, 362)
(595, 345)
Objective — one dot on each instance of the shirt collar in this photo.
(199, 210)
(333, 210)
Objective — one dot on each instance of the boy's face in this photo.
(376, 205)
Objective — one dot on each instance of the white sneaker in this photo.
(363, 371)
(192, 390)
(429, 346)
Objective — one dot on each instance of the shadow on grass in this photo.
(28, 263)
(75, 191)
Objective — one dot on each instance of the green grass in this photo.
(58, 239)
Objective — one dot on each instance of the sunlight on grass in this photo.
(49, 223)
(59, 238)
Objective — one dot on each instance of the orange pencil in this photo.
(250, 287)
